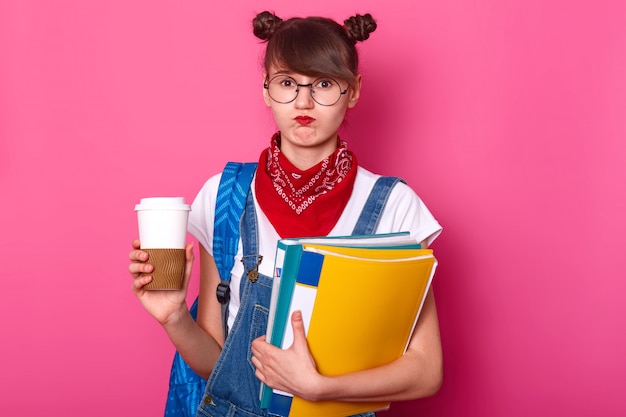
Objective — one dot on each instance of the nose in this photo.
(304, 99)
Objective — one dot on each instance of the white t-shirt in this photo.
(404, 211)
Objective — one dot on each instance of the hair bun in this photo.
(359, 27)
(265, 24)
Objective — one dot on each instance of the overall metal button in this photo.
(253, 276)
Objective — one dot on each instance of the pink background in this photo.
(507, 117)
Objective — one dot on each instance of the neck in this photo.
(304, 158)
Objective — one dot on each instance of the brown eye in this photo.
(324, 84)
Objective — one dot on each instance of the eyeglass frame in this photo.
(266, 85)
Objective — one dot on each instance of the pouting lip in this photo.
(304, 120)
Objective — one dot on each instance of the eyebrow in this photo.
(284, 72)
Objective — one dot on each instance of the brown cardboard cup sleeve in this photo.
(169, 268)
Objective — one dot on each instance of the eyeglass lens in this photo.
(284, 89)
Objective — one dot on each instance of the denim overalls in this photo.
(232, 389)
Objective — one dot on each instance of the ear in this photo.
(266, 95)
(355, 92)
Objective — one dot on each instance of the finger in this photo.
(260, 376)
(256, 362)
(256, 347)
(189, 252)
(259, 369)
(189, 257)
(138, 255)
(137, 268)
(139, 283)
(297, 324)
(136, 244)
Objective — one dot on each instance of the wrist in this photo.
(177, 317)
(322, 389)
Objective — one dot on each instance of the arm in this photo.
(197, 342)
(418, 373)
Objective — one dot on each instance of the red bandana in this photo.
(286, 193)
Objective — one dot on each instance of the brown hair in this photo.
(313, 46)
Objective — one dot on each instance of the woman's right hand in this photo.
(163, 305)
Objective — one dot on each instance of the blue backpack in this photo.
(186, 387)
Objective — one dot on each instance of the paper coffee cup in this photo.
(162, 225)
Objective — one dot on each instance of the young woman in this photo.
(307, 184)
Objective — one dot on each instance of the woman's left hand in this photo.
(292, 370)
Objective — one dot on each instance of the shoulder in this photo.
(404, 209)
(365, 181)
(232, 171)
(208, 191)
(200, 223)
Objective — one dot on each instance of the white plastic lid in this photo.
(163, 203)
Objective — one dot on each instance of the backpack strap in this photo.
(370, 215)
(186, 388)
(229, 206)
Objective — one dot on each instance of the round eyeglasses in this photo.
(284, 89)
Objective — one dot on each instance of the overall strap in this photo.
(250, 244)
(229, 205)
(370, 215)
(251, 258)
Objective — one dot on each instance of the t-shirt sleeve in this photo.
(408, 212)
(200, 223)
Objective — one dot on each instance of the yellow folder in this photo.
(366, 304)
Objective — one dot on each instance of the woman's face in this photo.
(304, 124)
